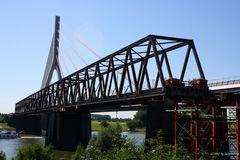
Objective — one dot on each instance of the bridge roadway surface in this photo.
(225, 87)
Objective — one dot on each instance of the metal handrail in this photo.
(223, 83)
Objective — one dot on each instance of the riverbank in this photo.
(96, 126)
(5, 126)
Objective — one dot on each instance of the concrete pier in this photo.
(29, 124)
(158, 119)
(66, 130)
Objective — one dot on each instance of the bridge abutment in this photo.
(158, 119)
(29, 124)
(66, 130)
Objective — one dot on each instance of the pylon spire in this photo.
(53, 58)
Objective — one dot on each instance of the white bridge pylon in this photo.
(56, 54)
(53, 58)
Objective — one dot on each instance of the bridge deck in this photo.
(231, 86)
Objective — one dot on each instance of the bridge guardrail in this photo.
(222, 83)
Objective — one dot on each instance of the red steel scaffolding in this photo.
(209, 131)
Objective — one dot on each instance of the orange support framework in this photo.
(196, 127)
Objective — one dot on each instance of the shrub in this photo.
(2, 118)
(105, 146)
(142, 117)
(34, 152)
(2, 155)
(157, 149)
(80, 154)
(133, 124)
(104, 124)
(108, 138)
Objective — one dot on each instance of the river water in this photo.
(10, 146)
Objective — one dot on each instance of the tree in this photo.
(34, 152)
(141, 116)
(104, 124)
(107, 138)
(127, 150)
(2, 155)
(2, 118)
(133, 124)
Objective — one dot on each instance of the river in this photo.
(10, 146)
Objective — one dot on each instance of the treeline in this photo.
(138, 122)
(5, 118)
(100, 117)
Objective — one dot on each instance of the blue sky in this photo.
(26, 28)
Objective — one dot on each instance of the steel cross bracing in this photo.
(132, 73)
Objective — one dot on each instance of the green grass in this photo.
(96, 126)
(5, 126)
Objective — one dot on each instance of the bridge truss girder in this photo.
(125, 73)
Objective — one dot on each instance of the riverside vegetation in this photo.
(110, 144)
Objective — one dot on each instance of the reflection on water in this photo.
(139, 137)
(10, 146)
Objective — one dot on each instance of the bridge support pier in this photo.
(66, 130)
(159, 119)
(30, 124)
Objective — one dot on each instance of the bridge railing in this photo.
(223, 83)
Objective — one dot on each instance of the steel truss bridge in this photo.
(118, 77)
(140, 76)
